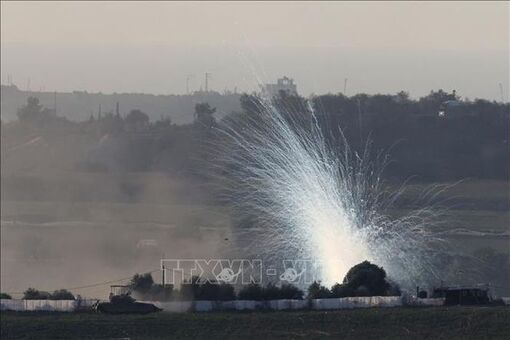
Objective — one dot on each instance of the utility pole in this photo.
(55, 102)
(345, 87)
(501, 92)
(188, 77)
(207, 76)
(163, 275)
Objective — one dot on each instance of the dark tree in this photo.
(137, 118)
(215, 292)
(288, 291)
(141, 283)
(204, 115)
(33, 112)
(367, 279)
(271, 292)
(34, 294)
(318, 291)
(5, 296)
(251, 292)
(341, 290)
(62, 294)
(190, 290)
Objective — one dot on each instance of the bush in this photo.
(62, 294)
(190, 290)
(144, 288)
(362, 291)
(367, 279)
(141, 283)
(208, 291)
(159, 293)
(34, 294)
(271, 292)
(5, 296)
(251, 292)
(226, 292)
(288, 291)
(394, 289)
(318, 291)
(341, 290)
(215, 292)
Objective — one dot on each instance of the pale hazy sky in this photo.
(152, 47)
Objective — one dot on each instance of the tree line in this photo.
(364, 279)
(437, 137)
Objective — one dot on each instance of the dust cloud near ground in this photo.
(58, 237)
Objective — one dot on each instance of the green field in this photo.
(390, 323)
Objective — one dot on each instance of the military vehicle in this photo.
(121, 302)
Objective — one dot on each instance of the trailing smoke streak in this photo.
(322, 202)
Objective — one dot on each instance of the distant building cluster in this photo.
(284, 84)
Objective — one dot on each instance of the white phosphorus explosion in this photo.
(322, 202)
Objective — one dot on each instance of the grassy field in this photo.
(391, 323)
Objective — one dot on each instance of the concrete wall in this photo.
(38, 305)
(46, 305)
(357, 302)
(318, 304)
(239, 305)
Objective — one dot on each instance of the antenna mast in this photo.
(207, 76)
(188, 77)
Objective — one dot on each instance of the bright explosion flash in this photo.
(319, 201)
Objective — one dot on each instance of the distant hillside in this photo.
(79, 105)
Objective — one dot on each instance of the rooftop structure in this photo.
(284, 84)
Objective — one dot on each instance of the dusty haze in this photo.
(153, 47)
(79, 197)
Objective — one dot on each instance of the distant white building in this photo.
(284, 84)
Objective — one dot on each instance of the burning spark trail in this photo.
(320, 201)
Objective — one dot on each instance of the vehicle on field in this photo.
(121, 302)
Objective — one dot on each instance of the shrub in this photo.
(34, 294)
(5, 296)
(226, 292)
(394, 289)
(208, 291)
(341, 290)
(318, 291)
(270, 292)
(62, 294)
(288, 291)
(367, 279)
(141, 283)
(158, 293)
(251, 292)
(362, 291)
(190, 290)
(215, 292)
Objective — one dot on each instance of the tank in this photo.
(124, 304)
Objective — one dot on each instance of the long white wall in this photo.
(45, 305)
(316, 304)
(208, 306)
